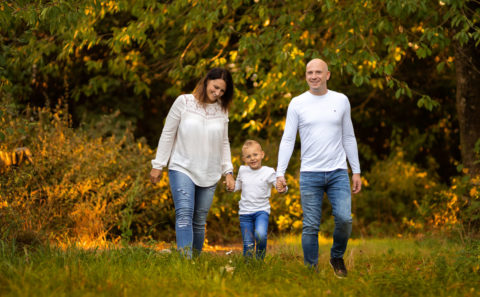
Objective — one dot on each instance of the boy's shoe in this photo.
(338, 267)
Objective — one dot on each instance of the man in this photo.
(322, 117)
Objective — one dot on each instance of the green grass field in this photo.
(377, 267)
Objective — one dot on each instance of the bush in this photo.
(91, 184)
(223, 221)
(456, 208)
(79, 185)
(391, 192)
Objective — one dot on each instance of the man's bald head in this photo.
(318, 62)
(317, 75)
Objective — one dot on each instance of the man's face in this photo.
(317, 75)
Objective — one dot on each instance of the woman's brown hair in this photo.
(216, 73)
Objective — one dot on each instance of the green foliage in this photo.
(130, 59)
(391, 193)
(144, 53)
(78, 186)
(454, 208)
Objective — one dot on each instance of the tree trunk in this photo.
(467, 63)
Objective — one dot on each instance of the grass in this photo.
(377, 267)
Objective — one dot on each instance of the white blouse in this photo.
(195, 139)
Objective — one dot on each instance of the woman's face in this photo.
(215, 89)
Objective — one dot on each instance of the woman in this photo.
(195, 139)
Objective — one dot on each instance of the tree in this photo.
(431, 29)
(468, 89)
(136, 56)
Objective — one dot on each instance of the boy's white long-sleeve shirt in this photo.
(326, 133)
(256, 186)
(195, 140)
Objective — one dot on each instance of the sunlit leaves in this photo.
(145, 51)
(427, 102)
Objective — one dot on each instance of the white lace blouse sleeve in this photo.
(169, 133)
(227, 165)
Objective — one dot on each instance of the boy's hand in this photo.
(229, 182)
(281, 184)
(155, 175)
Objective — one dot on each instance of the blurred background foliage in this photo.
(85, 87)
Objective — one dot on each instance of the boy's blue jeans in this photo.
(312, 187)
(192, 204)
(254, 230)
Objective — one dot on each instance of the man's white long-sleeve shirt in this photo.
(195, 139)
(326, 133)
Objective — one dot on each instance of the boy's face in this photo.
(252, 156)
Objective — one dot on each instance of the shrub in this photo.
(391, 192)
(79, 185)
(456, 208)
(91, 184)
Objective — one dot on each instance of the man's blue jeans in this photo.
(192, 204)
(312, 187)
(254, 230)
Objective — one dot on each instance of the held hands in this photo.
(155, 175)
(281, 184)
(229, 182)
(356, 183)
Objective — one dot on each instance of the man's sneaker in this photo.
(338, 267)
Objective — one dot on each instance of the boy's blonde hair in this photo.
(249, 143)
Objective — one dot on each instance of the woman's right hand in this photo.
(155, 175)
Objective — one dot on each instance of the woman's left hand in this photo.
(230, 182)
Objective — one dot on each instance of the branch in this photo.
(186, 49)
(365, 102)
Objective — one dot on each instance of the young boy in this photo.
(256, 182)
